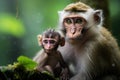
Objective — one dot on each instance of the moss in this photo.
(23, 69)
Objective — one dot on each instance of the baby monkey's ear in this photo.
(39, 37)
(62, 41)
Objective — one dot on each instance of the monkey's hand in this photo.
(64, 74)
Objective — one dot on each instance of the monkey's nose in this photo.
(73, 30)
(48, 46)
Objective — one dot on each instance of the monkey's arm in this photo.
(62, 62)
(41, 59)
(36, 57)
(40, 56)
(65, 74)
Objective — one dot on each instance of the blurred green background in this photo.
(22, 20)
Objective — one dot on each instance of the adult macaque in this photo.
(50, 58)
(91, 52)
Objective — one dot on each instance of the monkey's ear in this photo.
(39, 37)
(62, 41)
(98, 16)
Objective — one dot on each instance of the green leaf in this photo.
(10, 25)
(28, 63)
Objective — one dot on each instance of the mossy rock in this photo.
(23, 69)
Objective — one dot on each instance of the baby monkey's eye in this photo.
(45, 41)
(52, 41)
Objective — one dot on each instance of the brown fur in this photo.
(77, 7)
(95, 55)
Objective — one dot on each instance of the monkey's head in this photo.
(77, 18)
(50, 40)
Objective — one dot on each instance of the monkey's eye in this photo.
(52, 42)
(68, 20)
(45, 41)
(79, 21)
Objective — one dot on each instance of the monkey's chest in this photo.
(52, 61)
(79, 61)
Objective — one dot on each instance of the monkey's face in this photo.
(74, 26)
(49, 44)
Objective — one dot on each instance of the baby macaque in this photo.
(50, 58)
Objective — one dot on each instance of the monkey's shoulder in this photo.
(107, 39)
(58, 55)
(107, 35)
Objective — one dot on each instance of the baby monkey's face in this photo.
(50, 44)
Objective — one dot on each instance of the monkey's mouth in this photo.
(76, 35)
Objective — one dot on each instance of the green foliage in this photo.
(11, 25)
(28, 63)
(24, 69)
(22, 62)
